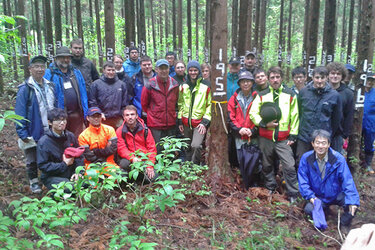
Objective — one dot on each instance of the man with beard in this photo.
(70, 89)
(79, 61)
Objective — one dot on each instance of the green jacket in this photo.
(289, 121)
(194, 104)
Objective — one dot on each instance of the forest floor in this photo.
(230, 218)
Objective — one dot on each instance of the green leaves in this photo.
(11, 116)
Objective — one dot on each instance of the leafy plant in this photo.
(11, 116)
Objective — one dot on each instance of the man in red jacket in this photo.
(133, 135)
(159, 101)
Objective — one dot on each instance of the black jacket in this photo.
(87, 69)
(50, 152)
(110, 95)
(347, 98)
(319, 109)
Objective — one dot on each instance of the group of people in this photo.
(75, 117)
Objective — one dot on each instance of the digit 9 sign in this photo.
(219, 90)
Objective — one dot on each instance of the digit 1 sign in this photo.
(220, 91)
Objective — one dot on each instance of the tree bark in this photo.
(161, 30)
(289, 44)
(242, 29)
(329, 33)
(109, 29)
(249, 25)
(350, 32)
(129, 22)
(262, 32)
(98, 33)
(22, 32)
(234, 24)
(166, 23)
(179, 27)
(363, 42)
(197, 29)
(153, 29)
(372, 36)
(257, 24)
(37, 26)
(188, 9)
(344, 24)
(359, 21)
(142, 31)
(8, 10)
(217, 160)
(58, 25)
(48, 27)
(208, 25)
(79, 19)
(67, 31)
(313, 34)
(281, 34)
(174, 25)
(306, 33)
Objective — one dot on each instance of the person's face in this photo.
(370, 82)
(334, 77)
(163, 72)
(180, 69)
(118, 63)
(193, 73)
(246, 85)
(133, 55)
(250, 61)
(261, 79)
(319, 81)
(321, 146)
(95, 119)
(130, 117)
(348, 77)
(146, 67)
(37, 70)
(58, 125)
(234, 68)
(299, 80)
(170, 59)
(206, 73)
(63, 62)
(109, 72)
(275, 80)
(77, 50)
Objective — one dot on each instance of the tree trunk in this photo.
(313, 36)
(91, 16)
(188, 9)
(234, 24)
(179, 27)
(22, 32)
(281, 34)
(174, 24)
(359, 22)
(98, 33)
(217, 160)
(48, 27)
(142, 30)
(262, 28)
(329, 33)
(197, 29)
(109, 29)
(72, 18)
(166, 23)
(137, 21)
(257, 23)
(37, 26)
(306, 33)
(363, 42)
(289, 44)
(129, 22)
(11, 40)
(153, 29)
(58, 25)
(161, 30)
(372, 36)
(79, 19)
(242, 29)
(350, 32)
(67, 31)
(249, 25)
(343, 34)
(1, 80)
(208, 25)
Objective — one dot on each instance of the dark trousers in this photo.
(232, 151)
(49, 181)
(31, 166)
(302, 147)
(158, 134)
(337, 143)
(76, 123)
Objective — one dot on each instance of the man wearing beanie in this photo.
(194, 113)
(159, 101)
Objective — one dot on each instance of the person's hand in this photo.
(360, 238)
(75, 177)
(245, 132)
(181, 128)
(201, 129)
(289, 143)
(136, 159)
(272, 124)
(150, 173)
(103, 117)
(352, 209)
(26, 140)
(312, 200)
(68, 161)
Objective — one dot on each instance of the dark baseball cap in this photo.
(371, 75)
(40, 58)
(350, 67)
(250, 53)
(235, 60)
(93, 111)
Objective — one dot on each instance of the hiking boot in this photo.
(369, 170)
(292, 199)
(34, 186)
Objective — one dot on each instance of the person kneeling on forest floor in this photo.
(99, 140)
(52, 158)
(324, 179)
(134, 135)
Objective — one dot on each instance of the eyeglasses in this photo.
(60, 120)
(321, 143)
(38, 66)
